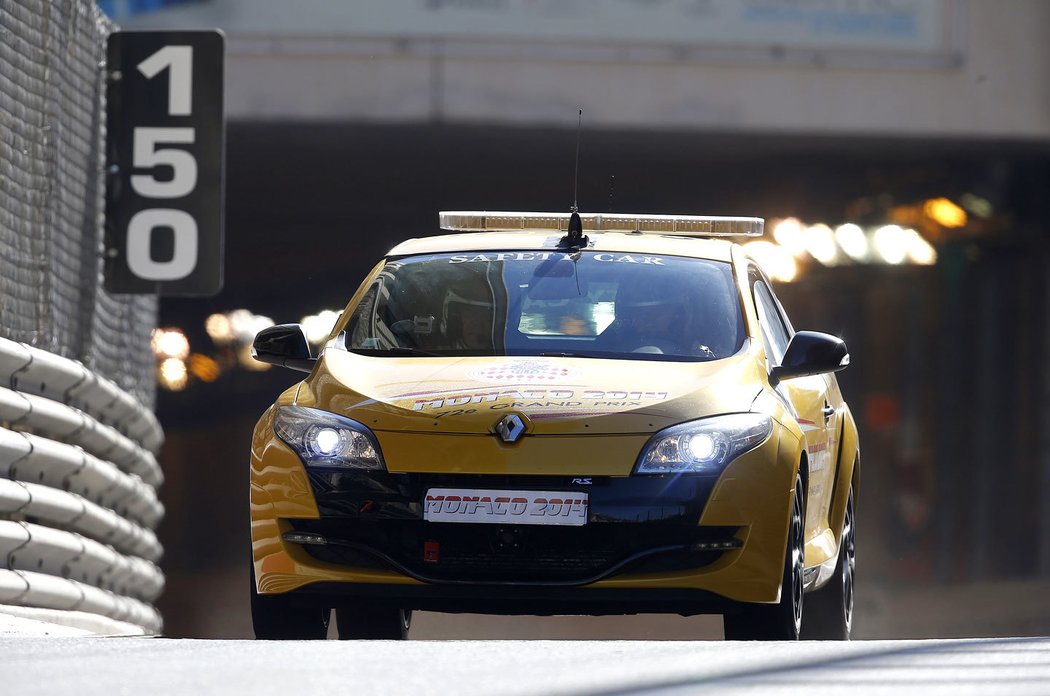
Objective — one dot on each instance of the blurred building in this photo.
(352, 124)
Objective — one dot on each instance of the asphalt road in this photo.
(158, 667)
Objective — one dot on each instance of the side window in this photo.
(753, 279)
(781, 313)
(775, 333)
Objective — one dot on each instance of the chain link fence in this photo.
(52, 130)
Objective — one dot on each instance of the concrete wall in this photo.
(980, 69)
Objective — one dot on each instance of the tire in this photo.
(783, 620)
(372, 622)
(829, 610)
(276, 617)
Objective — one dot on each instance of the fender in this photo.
(847, 472)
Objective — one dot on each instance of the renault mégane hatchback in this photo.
(547, 413)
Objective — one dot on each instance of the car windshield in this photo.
(593, 304)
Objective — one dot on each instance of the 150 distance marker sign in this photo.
(164, 162)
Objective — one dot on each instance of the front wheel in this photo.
(829, 610)
(372, 622)
(783, 620)
(276, 617)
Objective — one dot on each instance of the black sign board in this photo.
(164, 162)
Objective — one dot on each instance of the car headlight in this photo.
(703, 446)
(324, 439)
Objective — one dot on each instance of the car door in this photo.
(807, 398)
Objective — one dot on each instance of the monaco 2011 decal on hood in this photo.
(558, 395)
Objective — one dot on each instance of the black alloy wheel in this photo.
(277, 617)
(359, 621)
(829, 610)
(783, 620)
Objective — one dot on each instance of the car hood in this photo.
(557, 395)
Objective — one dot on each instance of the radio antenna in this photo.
(576, 172)
(575, 239)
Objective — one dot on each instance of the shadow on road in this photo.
(1007, 664)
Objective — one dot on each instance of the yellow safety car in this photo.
(548, 413)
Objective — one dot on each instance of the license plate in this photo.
(505, 507)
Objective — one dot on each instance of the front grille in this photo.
(346, 556)
(527, 567)
(512, 553)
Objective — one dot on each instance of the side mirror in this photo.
(811, 353)
(284, 345)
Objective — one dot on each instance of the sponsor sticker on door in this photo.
(505, 507)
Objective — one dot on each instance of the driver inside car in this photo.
(656, 316)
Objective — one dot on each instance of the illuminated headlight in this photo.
(703, 446)
(324, 439)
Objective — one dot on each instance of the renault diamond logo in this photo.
(510, 428)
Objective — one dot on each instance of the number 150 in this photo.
(147, 154)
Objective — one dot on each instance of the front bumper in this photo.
(517, 600)
(643, 545)
(635, 525)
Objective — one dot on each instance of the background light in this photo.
(891, 243)
(774, 259)
(820, 243)
(219, 329)
(944, 212)
(919, 250)
(172, 374)
(245, 324)
(790, 235)
(981, 207)
(244, 357)
(318, 326)
(853, 242)
(204, 368)
(170, 343)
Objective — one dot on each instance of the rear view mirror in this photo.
(811, 353)
(284, 345)
(548, 289)
(556, 279)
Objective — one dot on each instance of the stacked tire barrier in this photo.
(78, 500)
(78, 439)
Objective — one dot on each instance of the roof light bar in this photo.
(683, 225)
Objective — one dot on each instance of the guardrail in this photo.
(78, 490)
